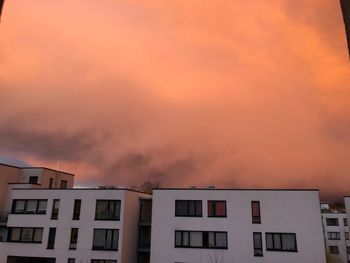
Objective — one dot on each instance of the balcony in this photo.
(3, 218)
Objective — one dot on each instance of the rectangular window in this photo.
(201, 239)
(347, 236)
(281, 242)
(333, 250)
(334, 235)
(348, 250)
(189, 208)
(25, 234)
(33, 179)
(256, 217)
(76, 209)
(51, 239)
(332, 222)
(73, 238)
(55, 208)
(105, 239)
(51, 183)
(63, 184)
(345, 221)
(258, 247)
(30, 206)
(103, 261)
(107, 210)
(216, 208)
(71, 260)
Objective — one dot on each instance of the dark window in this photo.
(201, 239)
(107, 210)
(103, 261)
(105, 239)
(188, 208)
(55, 208)
(216, 208)
(334, 235)
(51, 239)
(281, 242)
(51, 183)
(345, 221)
(332, 222)
(76, 209)
(25, 234)
(348, 250)
(73, 238)
(347, 236)
(29, 206)
(71, 260)
(333, 250)
(257, 241)
(256, 217)
(63, 184)
(33, 179)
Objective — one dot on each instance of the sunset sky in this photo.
(229, 93)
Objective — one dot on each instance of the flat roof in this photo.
(236, 189)
(35, 167)
(83, 189)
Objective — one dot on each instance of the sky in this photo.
(232, 93)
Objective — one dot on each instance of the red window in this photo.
(256, 217)
(217, 208)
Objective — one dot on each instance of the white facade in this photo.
(336, 234)
(127, 225)
(281, 211)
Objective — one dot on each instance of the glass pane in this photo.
(191, 208)
(185, 239)
(19, 206)
(220, 208)
(38, 234)
(99, 238)
(26, 234)
(211, 239)
(116, 210)
(198, 208)
(115, 239)
(221, 240)
(42, 206)
(181, 208)
(211, 208)
(31, 206)
(196, 239)
(269, 241)
(257, 240)
(288, 242)
(277, 241)
(256, 209)
(101, 209)
(15, 234)
(178, 239)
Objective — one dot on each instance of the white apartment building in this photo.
(336, 234)
(236, 226)
(72, 225)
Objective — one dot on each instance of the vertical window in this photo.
(333, 250)
(105, 239)
(71, 260)
(281, 242)
(348, 250)
(63, 184)
(33, 179)
(216, 208)
(345, 221)
(51, 183)
(257, 241)
(73, 238)
(107, 210)
(51, 239)
(76, 209)
(334, 235)
(188, 208)
(256, 217)
(347, 236)
(55, 209)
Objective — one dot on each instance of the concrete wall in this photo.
(8, 174)
(281, 211)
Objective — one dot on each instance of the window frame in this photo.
(109, 201)
(54, 216)
(261, 245)
(52, 235)
(256, 219)
(73, 245)
(281, 249)
(76, 211)
(34, 229)
(328, 219)
(330, 233)
(63, 184)
(36, 178)
(333, 252)
(210, 208)
(37, 211)
(204, 233)
(106, 229)
(196, 202)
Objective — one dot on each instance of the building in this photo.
(228, 226)
(345, 5)
(72, 225)
(336, 234)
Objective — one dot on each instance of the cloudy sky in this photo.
(191, 92)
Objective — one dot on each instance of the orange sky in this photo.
(226, 92)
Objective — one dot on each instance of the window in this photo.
(103, 261)
(348, 250)
(281, 242)
(63, 184)
(25, 234)
(51, 183)
(107, 210)
(256, 217)
(105, 239)
(257, 242)
(71, 260)
(333, 250)
(73, 238)
(33, 179)
(51, 239)
(76, 209)
(188, 208)
(29, 206)
(55, 208)
(334, 235)
(201, 239)
(345, 221)
(216, 208)
(332, 222)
